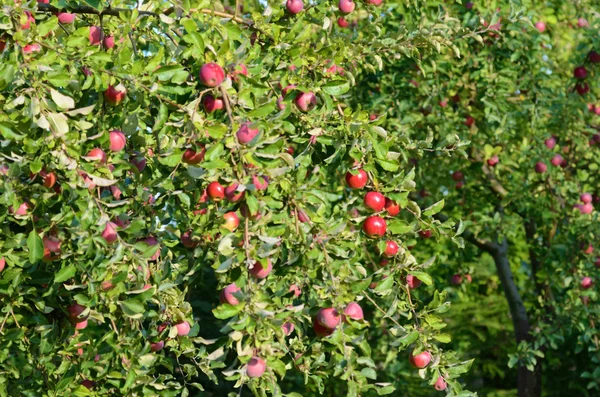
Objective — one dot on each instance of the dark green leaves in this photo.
(35, 246)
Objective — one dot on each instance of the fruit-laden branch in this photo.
(116, 11)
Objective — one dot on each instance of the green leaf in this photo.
(424, 277)
(226, 310)
(65, 273)
(262, 111)
(444, 338)
(132, 308)
(336, 87)
(62, 101)
(434, 209)
(8, 133)
(171, 160)
(35, 246)
(369, 373)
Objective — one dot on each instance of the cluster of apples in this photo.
(421, 361)
(328, 319)
(586, 207)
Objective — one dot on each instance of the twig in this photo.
(227, 105)
(382, 311)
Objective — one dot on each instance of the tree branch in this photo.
(483, 245)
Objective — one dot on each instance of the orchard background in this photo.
(299, 198)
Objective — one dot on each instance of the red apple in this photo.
(469, 121)
(115, 95)
(303, 216)
(587, 208)
(582, 88)
(594, 57)
(296, 290)
(540, 167)
(231, 221)
(358, 180)
(97, 154)
(586, 198)
(288, 328)
(231, 193)
(117, 140)
(157, 346)
(30, 20)
(211, 75)
(109, 42)
(550, 143)
(391, 249)
(212, 104)
(260, 182)
(49, 179)
(65, 17)
(412, 281)
(440, 384)
(183, 328)
(458, 176)
(421, 360)
(587, 283)
(227, 296)
(541, 26)
(151, 241)
(320, 330)
(245, 134)
(329, 318)
(391, 207)
(582, 22)
(187, 241)
(256, 367)
(139, 163)
(215, 191)
(346, 6)
(375, 201)
(294, 6)
(260, 272)
(456, 279)
(342, 23)
(306, 101)
(425, 234)
(95, 35)
(556, 161)
(51, 244)
(374, 226)
(375, 2)
(193, 156)
(580, 72)
(109, 234)
(31, 48)
(81, 325)
(74, 311)
(492, 161)
(237, 70)
(2, 263)
(23, 209)
(354, 311)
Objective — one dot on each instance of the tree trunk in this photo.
(528, 383)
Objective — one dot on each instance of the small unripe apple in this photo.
(256, 367)
(245, 134)
(412, 281)
(95, 35)
(540, 26)
(556, 161)
(117, 140)
(392, 207)
(493, 161)
(440, 384)
(115, 95)
(357, 181)
(580, 72)
(287, 328)
(183, 328)
(211, 75)
(421, 360)
(260, 272)
(193, 156)
(215, 191)
(227, 296)
(374, 201)
(354, 311)
(586, 198)
(374, 226)
(329, 318)
(231, 221)
(212, 104)
(391, 249)
(346, 6)
(320, 330)
(342, 23)
(305, 101)
(550, 143)
(587, 282)
(65, 18)
(540, 167)
(294, 6)
(109, 234)
(458, 176)
(296, 290)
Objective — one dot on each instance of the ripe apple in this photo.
(23, 209)
(115, 95)
(157, 346)
(329, 318)
(237, 70)
(587, 208)
(109, 42)
(260, 183)
(31, 48)
(375, 201)
(469, 121)
(74, 312)
(550, 143)
(30, 19)
(492, 161)
(227, 296)
(391, 248)
(49, 179)
(342, 23)
(421, 360)
(412, 281)
(586, 198)
(594, 57)
(440, 384)
(215, 191)
(211, 75)
(556, 160)
(358, 180)
(425, 234)
(346, 6)
(288, 328)
(51, 244)
(95, 36)
(540, 26)
(306, 101)
(231, 193)
(320, 330)
(456, 279)
(582, 22)
(587, 282)
(88, 384)
(376, 3)
(354, 311)
(231, 221)
(139, 163)
(2, 263)
(540, 167)
(469, 5)
(212, 104)
(183, 328)
(256, 367)
(296, 290)
(117, 140)
(81, 325)
(294, 6)
(65, 18)
(374, 226)
(587, 250)
(260, 272)
(582, 88)
(245, 134)
(187, 241)
(97, 154)
(303, 217)
(458, 176)
(391, 207)
(580, 72)
(193, 156)
(109, 234)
